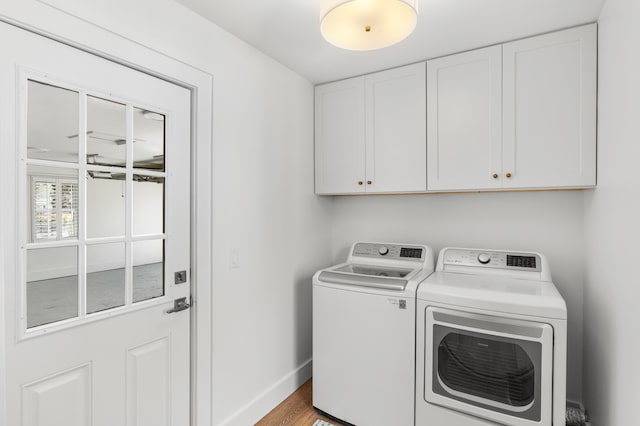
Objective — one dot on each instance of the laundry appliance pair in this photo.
(480, 341)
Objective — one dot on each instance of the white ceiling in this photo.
(289, 30)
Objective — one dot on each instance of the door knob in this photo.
(495, 176)
(179, 305)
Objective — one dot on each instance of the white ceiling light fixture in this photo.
(367, 24)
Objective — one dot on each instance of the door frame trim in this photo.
(200, 84)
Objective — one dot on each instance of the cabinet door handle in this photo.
(369, 182)
(508, 175)
(495, 176)
(359, 182)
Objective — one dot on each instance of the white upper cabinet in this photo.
(396, 130)
(549, 109)
(521, 115)
(464, 133)
(371, 133)
(339, 136)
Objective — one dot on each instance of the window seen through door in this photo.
(54, 208)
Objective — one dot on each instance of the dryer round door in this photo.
(488, 366)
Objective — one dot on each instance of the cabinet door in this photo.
(396, 130)
(464, 121)
(339, 137)
(550, 109)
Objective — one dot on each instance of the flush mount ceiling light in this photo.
(367, 24)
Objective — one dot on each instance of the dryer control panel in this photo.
(389, 251)
(493, 259)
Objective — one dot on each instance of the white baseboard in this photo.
(103, 266)
(51, 273)
(257, 408)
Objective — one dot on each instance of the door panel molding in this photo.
(60, 399)
(149, 383)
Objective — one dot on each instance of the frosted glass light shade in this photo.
(367, 24)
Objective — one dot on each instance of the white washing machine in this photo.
(491, 341)
(364, 334)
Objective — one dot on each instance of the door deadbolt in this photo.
(180, 277)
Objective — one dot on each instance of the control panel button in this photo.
(383, 251)
(484, 258)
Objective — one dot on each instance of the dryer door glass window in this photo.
(502, 374)
(500, 371)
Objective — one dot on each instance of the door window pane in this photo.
(105, 276)
(53, 204)
(52, 123)
(148, 205)
(106, 132)
(148, 269)
(52, 285)
(148, 136)
(105, 204)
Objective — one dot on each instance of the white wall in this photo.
(263, 202)
(611, 314)
(548, 222)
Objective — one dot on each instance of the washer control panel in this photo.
(389, 251)
(493, 259)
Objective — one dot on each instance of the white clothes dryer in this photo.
(364, 334)
(491, 341)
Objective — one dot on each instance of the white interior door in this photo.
(95, 187)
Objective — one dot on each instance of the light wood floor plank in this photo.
(296, 410)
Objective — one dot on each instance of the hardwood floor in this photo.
(297, 410)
